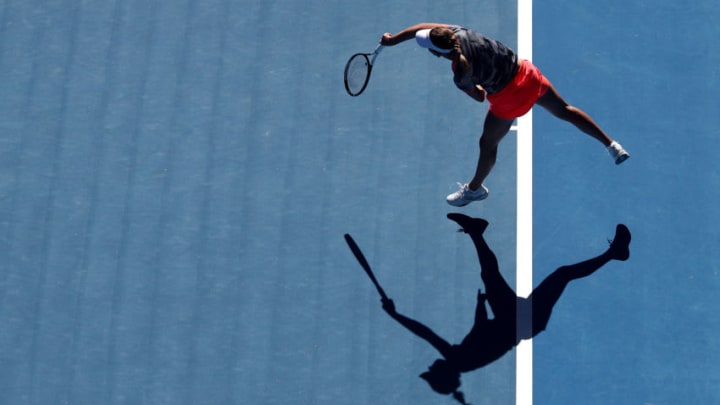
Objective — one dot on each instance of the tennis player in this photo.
(485, 68)
(491, 339)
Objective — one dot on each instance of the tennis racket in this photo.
(364, 263)
(358, 69)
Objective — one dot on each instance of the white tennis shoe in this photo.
(618, 153)
(465, 196)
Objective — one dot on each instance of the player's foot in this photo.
(465, 196)
(618, 153)
(468, 224)
(620, 245)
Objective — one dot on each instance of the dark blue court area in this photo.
(176, 179)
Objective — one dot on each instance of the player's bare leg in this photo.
(557, 106)
(494, 130)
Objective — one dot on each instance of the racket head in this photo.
(357, 74)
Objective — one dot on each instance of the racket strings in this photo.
(356, 74)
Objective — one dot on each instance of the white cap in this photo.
(423, 39)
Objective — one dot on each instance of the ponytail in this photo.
(460, 397)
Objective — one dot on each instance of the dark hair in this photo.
(460, 397)
(444, 38)
(444, 379)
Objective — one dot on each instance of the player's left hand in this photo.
(481, 93)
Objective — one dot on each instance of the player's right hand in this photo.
(388, 305)
(387, 39)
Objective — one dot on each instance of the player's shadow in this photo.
(490, 339)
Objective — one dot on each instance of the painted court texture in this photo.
(176, 179)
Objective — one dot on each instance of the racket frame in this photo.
(364, 264)
(370, 60)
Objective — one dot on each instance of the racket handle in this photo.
(376, 52)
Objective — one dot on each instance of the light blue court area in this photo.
(176, 179)
(641, 332)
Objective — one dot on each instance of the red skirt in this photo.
(518, 97)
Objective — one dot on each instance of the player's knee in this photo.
(572, 110)
(538, 327)
(561, 272)
(489, 143)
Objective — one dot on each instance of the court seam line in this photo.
(524, 228)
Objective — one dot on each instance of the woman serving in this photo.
(484, 68)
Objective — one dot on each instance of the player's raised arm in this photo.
(417, 328)
(389, 39)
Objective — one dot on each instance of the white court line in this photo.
(524, 270)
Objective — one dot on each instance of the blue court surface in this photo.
(176, 179)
